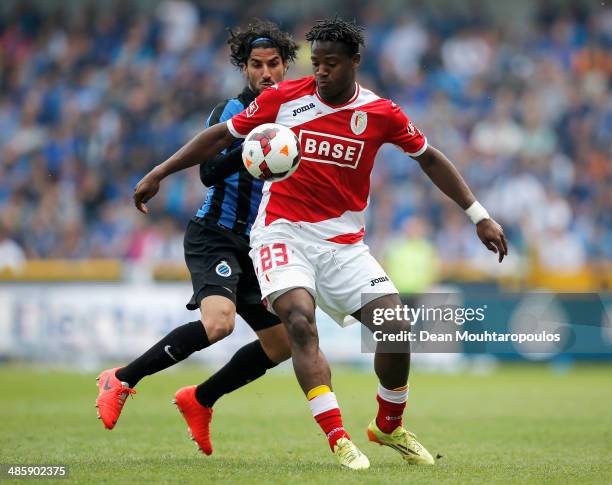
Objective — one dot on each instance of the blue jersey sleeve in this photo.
(229, 161)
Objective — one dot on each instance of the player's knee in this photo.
(219, 323)
(302, 328)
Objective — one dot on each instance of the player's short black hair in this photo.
(338, 30)
(260, 33)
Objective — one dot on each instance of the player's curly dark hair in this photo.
(338, 30)
(260, 33)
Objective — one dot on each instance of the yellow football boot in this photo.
(402, 441)
(349, 456)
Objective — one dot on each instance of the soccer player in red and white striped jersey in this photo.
(329, 191)
(307, 242)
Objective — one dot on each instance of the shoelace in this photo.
(411, 438)
(123, 393)
(348, 451)
(404, 431)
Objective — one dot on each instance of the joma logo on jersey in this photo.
(325, 148)
(382, 279)
(301, 109)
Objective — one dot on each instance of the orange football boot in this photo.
(111, 398)
(198, 417)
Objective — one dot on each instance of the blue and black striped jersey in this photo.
(234, 201)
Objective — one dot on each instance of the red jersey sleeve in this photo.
(263, 109)
(403, 133)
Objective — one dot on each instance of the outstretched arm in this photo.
(222, 166)
(447, 178)
(204, 146)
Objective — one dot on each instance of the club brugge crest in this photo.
(359, 122)
(223, 269)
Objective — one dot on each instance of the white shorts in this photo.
(341, 277)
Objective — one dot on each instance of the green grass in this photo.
(520, 424)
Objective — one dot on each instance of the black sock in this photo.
(174, 347)
(248, 363)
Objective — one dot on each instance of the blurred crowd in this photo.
(92, 97)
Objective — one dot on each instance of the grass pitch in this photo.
(521, 424)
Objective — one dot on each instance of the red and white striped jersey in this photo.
(328, 193)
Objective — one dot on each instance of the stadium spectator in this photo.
(11, 254)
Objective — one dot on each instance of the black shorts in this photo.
(219, 263)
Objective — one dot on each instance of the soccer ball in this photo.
(271, 152)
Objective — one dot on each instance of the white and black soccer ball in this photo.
(271, 152)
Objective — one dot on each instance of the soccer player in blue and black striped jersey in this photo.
(217, 255)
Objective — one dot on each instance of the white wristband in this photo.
(476, 212)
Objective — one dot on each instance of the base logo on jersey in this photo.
(359, 122)
(223, 269)
(326, 148)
